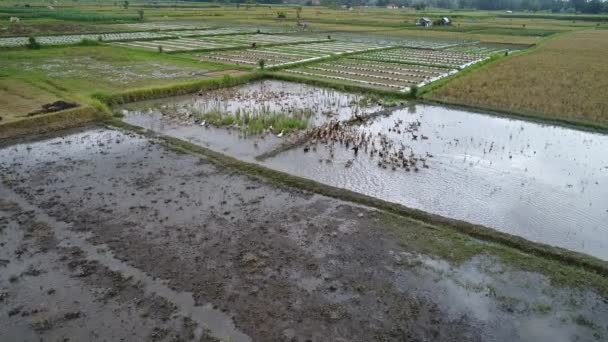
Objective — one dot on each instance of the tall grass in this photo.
(259, 120)
(174, 89)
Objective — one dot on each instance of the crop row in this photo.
(288, 54)
(372, 74)
(76, 38)
(441, 58)
(161, 26)
(484, 49)
(212, 43)
(177, 44)
(113, 37)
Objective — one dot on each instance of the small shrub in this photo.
(414, 91)
(140, 15)
(160, 49)
(32, 43)
(281, 15)
(261, 63)
(88, 42)
(100, 38)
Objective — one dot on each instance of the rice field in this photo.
(209, 32)
(163, 26)
(114, 37)
(77, 38)
(437, 58)
(220, 42)
(564, 79)
(290, 54)
(373, 74)
(485, 49)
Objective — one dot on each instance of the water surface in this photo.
(545, 183)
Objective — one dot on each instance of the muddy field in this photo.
(107, 235)
(541, 182)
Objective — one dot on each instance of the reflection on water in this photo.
(178, 116)
(545, 183)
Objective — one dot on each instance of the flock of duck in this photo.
(389, 153)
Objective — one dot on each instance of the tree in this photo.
(125, 4)
(329, 3)
(140, 14)
(593, 6)
(419, 6)
(32, 43)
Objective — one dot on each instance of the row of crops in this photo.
(373, 74)
(219, 42)
(113, 37)
(438, 58)
(163, 26)
(290, 54)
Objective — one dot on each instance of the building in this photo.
(424, 22)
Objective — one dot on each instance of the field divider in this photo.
(44, 123)
(248, 46)
(326, 57)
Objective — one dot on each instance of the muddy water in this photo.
(177, 116)
(274, 263)
(545, 183)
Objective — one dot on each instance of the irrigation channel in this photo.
(545, 183)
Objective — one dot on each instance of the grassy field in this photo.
(520, 28)
(563, 79)
(30, 78)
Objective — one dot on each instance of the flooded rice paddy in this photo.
(184, 116)
(545, 183)
(170, 246)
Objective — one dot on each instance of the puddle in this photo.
(513, 305)
(178, 116)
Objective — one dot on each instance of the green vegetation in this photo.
(32, 43)
(258, 121)
(63, 14)
(30, 78)
(561, 80)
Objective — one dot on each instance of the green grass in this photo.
(257, 121)
(64, 14)
(76, 73)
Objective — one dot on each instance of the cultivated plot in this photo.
(77, 38)
(290, 54)
(212, 43)
(114, 37)
(161, 25)
(439, 58)
(384, 75)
